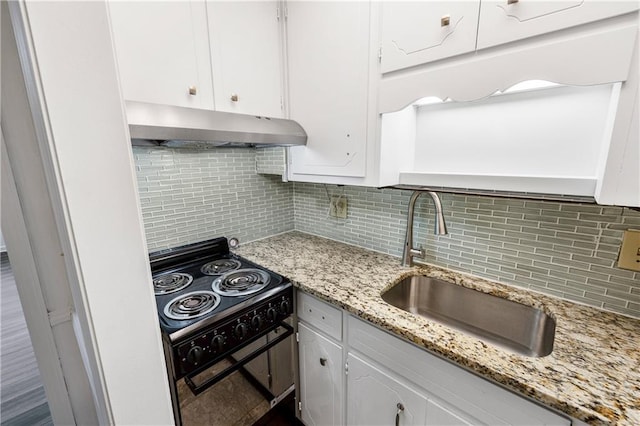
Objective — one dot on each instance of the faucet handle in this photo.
(418, 252)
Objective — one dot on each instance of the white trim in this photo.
(44, 136)
(30, 291)
(88, 165)
(539, 184)
(468, 78)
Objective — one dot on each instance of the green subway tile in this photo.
(542, 205)
(623, 295)
(580, 208)
(538, 231)
(600, 218)
(622, 273)
(547, 290)
(557, 227)
(584, 300)
(613, 256)
(517, 260)
(507, 214)
(531, 268)
(606, 299)
(631, 310)
(514, 271)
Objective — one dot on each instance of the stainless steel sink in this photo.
(513, 326)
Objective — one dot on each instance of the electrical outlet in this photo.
(630, 251)
(338, 206)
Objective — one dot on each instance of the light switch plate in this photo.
(630, 251)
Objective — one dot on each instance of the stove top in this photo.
(199, 285)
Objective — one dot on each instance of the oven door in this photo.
(216, 396)
(203, 379)
(273, 369)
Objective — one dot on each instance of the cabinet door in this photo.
(162, 51)
(328, 62)
(414, 33)
(321, 381)
(438, 415)
(375, 398)
(501, 22)
(246, 56)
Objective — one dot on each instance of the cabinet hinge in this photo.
(380, 54)
(297, 337)
(346, 368)
(277, 13)
(286, 13)
(270, 380)
(300, 406)
(281, 103)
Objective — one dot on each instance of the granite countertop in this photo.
(593, 373)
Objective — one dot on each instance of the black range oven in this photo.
(212, 306)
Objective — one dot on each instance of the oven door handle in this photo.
(199, 388)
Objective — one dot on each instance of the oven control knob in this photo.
(256, 322)
(272, 314)
(194, 356)
(284, 307)
(241, 330)
(217, 343)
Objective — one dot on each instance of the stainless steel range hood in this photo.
(181, 127)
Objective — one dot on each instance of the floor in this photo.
(22, 397)
(243, 404)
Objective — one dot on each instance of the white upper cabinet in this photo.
(527, 141)
(223, 55)
(504, 21)
(328, 64)
(162, 51)
(417, 32)
(246, 56)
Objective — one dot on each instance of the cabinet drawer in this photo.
(321, 315)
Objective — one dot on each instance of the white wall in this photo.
(75, 96)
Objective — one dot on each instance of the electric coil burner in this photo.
(192, 305)
(170, 283)
(212, 303)
(241, 282)
(220, 266)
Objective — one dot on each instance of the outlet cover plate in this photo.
(630, 251)
(338, 206)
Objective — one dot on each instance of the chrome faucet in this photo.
(440, 229)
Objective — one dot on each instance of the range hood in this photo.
(181, 127)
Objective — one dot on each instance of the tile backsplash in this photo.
(189, 196)
(564, 249)
(270, 160)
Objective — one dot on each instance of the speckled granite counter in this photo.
(593, 373)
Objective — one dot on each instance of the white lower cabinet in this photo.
(389, 381)
(321, 378)
(377, 398)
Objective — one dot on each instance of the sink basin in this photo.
(511, 325)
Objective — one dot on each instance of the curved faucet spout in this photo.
(440, 226)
